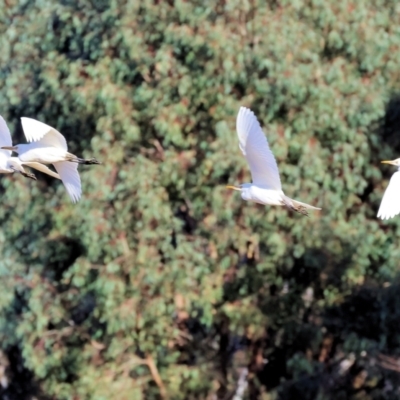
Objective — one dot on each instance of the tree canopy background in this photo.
(160, 283)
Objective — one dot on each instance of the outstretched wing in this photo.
(36, 131)
(5, 138)
(70, 178)
(43, 168)
(390, 205)
(254, 146)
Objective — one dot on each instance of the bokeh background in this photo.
(160, 283)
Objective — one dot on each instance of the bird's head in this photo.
(395, 162)
(244, 188)
(12, 148)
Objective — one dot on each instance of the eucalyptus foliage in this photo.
(160, 283)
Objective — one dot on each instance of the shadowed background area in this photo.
(160, 283)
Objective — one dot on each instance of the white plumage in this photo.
(70, 178)
(35, 131)
(266, 187)
(48, 146)
(9, 164)
(255, 148)
(390, 205)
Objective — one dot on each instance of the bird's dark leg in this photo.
(84, 161)
(295, 207)
(302, 210)
(29, 175)
(26, 174)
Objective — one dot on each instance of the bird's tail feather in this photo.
(298, 206)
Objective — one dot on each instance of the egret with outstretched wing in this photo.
(9, 164)
(266, 187)
(48, 146)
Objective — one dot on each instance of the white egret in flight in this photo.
(48, 146)
(266, 187)
(390, 205)
(9, 164)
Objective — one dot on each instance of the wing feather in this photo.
(390, 205)
(36, 131)
(254, 146)
(70, 178)
(5, 138)
(43, 168)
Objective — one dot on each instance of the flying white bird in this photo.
(266, 187)
(48, 146)
(390, 205)
(9, 164)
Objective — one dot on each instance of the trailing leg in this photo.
(28, 175)
(295, 206)
(24, 173)
(84, 161)
(88, 161)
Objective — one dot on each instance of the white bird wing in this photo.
(390, 205)
(255, 148)
(43, 168)
(5, 138)
(36, 131)
(70, 178)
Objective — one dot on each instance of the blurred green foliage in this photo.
(159, 283)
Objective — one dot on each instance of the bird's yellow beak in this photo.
(388, 162)
(9, 148)
(233, 187)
